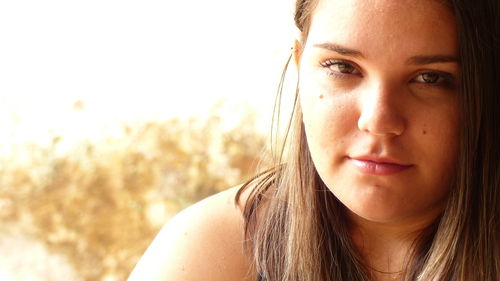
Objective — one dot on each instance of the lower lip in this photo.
(376, 168)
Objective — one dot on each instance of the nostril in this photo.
(381, 123)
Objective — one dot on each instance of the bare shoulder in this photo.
(203, 242)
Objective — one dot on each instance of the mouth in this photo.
(378, 166)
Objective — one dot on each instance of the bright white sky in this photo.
(134, 60)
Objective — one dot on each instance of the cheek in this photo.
(437, 144)
(439, 132)
(325, 108)
(330, 124)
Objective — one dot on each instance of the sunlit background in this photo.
(114, 115)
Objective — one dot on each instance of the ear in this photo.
(297, 52)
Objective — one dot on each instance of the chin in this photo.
(387, 215)
(382, 207)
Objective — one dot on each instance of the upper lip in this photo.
(379, 159)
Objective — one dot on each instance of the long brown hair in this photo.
(295, 227)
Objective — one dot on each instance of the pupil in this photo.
(430, 77)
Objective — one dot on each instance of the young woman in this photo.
(391, 171)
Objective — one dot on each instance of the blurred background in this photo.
(115, 115)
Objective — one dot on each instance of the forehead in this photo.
(374, 26)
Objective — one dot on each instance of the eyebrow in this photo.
(418, 60)
(339, 49)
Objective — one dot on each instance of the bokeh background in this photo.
(115, 115)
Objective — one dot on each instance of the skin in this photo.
(375, 103)
(202, 243)
(382, 102)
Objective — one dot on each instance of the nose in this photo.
(379, 112)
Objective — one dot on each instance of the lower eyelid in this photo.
(335, 74)
(339, 74)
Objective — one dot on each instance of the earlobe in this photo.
(297, 52)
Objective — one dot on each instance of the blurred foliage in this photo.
(100, 204)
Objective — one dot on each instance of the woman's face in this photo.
(380, 107)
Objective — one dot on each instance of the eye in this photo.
(435, 78)
(339, 68)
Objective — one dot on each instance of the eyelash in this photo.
(338, 74)
(443, 80)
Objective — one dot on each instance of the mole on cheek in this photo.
(424, 131)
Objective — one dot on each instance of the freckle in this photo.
(424, 131)
(321, 96)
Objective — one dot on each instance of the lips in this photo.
(378, 166)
